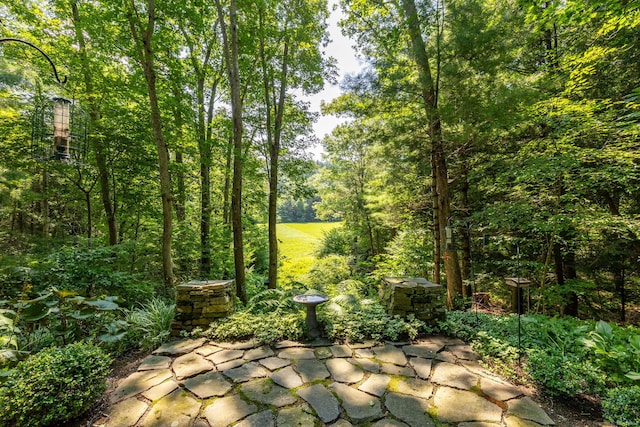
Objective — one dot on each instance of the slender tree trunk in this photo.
(226, 215)
(143, 39)
(180, 200)
(466, 236)
(230, 48)
(274, 134)
(438, 159)
(94, 117)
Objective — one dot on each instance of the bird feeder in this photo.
(59, 131)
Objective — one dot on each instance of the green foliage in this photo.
(620, 406)
(351, 287)
(347, 318)
(329, 270)
(62, 317)
(263, 327)
(54, 385)
(616, 350)
(336, 241)
(149, 324)
(271, 315)
(564, 375)
(297, 245)
(405, 255)
(91, 272)
(9, 332)
(566, 356)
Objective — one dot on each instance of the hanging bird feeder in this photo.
(59, 131)
(59, 128)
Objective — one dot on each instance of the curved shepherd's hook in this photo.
(55, 71)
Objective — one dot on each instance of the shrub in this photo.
(564, 375)
(53, 386)
(620, 406)
(336, 241)
(263, 327)
(405, 255)
(349, 319)
(329, 270)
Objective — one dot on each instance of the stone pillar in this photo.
(415, 295)
(200, 303)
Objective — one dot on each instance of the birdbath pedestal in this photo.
(311, 301)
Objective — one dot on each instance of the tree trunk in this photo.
(230, 48)
(438, 159)
(94, 116)
(146, 56)
(466, 236)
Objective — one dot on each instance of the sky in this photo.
(341, 48)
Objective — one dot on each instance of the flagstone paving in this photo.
(432, 381)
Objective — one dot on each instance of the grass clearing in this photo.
(297, 244)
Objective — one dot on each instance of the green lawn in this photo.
(297, 244)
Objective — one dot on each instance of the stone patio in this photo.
(199, 383)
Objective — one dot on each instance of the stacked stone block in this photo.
(200, 303)
(415, 295)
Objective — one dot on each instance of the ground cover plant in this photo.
(566, 357)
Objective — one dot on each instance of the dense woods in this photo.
(481, 140)
(495, 138)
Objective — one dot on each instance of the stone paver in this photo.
(258, 353)
(273, 363)
(458, 406)
(389, 423)
(265, 392)
(426, 350)
(454, 376)
(322, 401)
(376, 384)
(126, 413)
(208, 350)
(341, 351)
(161, 390)
(498, 390)
(343, 371)
(261, 419)
(189, 365)
(415, 387)
(323, 352)
(155, 362)
(359, 406)
(366, 364)
(139, 382)
(208, 385)
(464, 352)
(390, 354)
(227, 410)
(177, 409)
(421, 366)
(298, 416)
(246, 372)
(175, 348)
(405, 371)
(527, 409)
(311, 370)
(225, 356)
(198, 383)
(297, 353)
(287, 378)
(409, 409)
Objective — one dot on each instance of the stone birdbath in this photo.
(311, 301)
